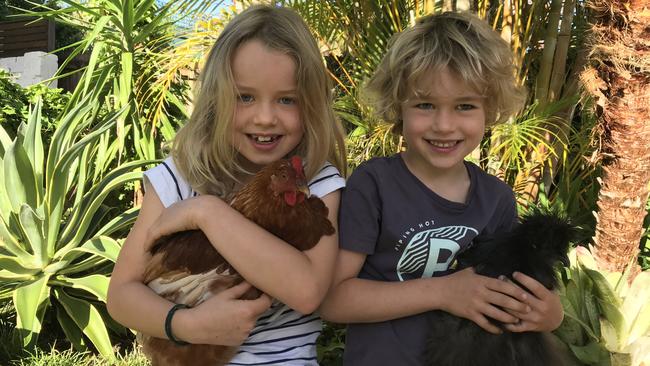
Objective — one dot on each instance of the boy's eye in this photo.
(466, 107)
(425, 106)
(245, 98)
(287, 100)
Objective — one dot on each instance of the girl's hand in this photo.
(546, 309)
(181, 216)
(476, 297)
(223, 319)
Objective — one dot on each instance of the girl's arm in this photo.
(298, 279)
(222, 319)
(465, 294)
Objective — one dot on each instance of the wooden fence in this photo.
(20, 36)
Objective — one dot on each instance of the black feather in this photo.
(534, 247)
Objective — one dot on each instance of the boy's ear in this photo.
(398, 127)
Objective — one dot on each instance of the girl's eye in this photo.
(287, 100)
(245, 98)
(466, 107)
(424, 106)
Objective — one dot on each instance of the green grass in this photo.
(73, 358)
(52, 350)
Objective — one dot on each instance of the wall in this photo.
(31, 68)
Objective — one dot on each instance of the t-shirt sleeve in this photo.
(168, 183)
(326, 181)
(509, 215)
(360, 213)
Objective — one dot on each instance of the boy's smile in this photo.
(443, 122)
(267, 124)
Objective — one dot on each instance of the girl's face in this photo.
(442, 126)
(267, 124)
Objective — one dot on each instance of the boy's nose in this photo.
(265, 115)
(443, 121)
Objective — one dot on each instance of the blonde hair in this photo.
(460, 42)
(203, 150)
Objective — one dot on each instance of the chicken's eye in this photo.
(284, 176)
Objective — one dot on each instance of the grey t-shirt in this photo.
(409, 232)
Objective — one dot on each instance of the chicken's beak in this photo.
(304, 189)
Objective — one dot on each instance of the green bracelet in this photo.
(168, 325)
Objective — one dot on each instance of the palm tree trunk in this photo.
(620, 82)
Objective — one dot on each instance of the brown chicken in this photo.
(185, 267)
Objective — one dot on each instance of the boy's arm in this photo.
(465, 294)
(355, 300)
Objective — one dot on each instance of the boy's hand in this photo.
(546, 310)
(476, 297)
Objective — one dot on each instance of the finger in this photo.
(522, 326)
(261, 304)
(517, 314)
(507, 288)
(484, 323)
(236, 291)
(507, 302)
(508, 280)
(532, 285)
(500, 315)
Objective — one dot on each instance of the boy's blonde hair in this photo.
(203, 149)
(460, 42)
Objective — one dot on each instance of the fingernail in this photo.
(502, 278)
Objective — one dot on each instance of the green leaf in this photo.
(123, 220)
(14, 265)
(603, 288)
(102, 246)
(31, 224)
(31, 301)
(591, 354)
(34, 145)
(609, 336)
(617, 320)
(88, 319)
(636, 307)
(19, 178)
(95, 284)
(10, 243)
(72, 332)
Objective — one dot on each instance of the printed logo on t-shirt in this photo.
(431, 251)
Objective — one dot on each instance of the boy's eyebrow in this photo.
(462, 98)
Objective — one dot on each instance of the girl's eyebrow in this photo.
(250, 88)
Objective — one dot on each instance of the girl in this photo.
(264, 95)
(403, 218)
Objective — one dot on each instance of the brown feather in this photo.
(177, 257)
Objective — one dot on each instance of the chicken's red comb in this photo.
(296, 163)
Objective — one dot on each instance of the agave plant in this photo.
(607, 315)
(55, 252)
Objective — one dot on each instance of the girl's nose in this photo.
(265, 114)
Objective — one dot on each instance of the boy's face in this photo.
(443, 124)
(267, 124)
